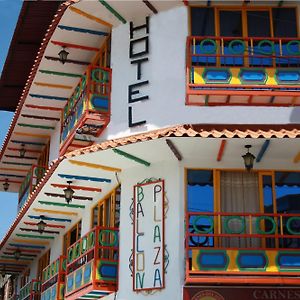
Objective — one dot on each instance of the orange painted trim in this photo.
(89, 16)
(75, 46)
(244, 280)
(14, 170)
(76, 187)
(221, 150)
(44, 107)
(58, 86)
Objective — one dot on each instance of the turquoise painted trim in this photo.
(96, 179)
(48, 97)
(82, 30)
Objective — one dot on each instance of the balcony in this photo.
(261, 248)
(92, 264)
(31, 180)
(87, 112)
(53, 284)
(243, 71)
(31, 291)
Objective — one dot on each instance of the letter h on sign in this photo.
(143, 40)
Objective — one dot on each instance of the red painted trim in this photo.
(221, 150)
(48, 225)
(43, 107)
(24, 250)
(76, 187)
(75, 46)
(27, 150)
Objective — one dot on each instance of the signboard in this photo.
(245, 293)
(148, 236)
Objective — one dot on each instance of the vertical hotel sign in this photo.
(148, 236)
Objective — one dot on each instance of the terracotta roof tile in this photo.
(198, 130)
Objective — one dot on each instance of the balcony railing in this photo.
(31, 291)
(31, 180)
(88, 109)
(53, 281)
(243, 244)
(92, 264)
(222, 66)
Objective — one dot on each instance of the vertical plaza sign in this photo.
(148, 236)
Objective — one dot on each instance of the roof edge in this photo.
(62, 8)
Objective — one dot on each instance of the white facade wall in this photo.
(172, 173)
(165, 71)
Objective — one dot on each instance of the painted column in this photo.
(171, 174)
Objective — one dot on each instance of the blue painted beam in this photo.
(48, 97)
(26, 246)
(263, 150)
(76, 177)
(82, 30)
(49, 219)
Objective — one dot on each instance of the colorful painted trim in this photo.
(48, 97)
(84, 178)
(50, 219)
(132, 157)
(113, 11)
(62, 204)
(82, 30)
(43, 237)
(27, 246)
(60, 73)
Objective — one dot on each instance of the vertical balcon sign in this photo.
(148, 236)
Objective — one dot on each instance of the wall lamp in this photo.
(68, 192)
(22, 151)
(6, 185)
(41, 226)
(63, 55)
(248, 158)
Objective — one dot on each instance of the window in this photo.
(258, 23)
(103, 56)
(287, 188)
(44, 157)
(200, 198)
(203, 21)
(106, 213)
(244, 21)
(231, 21)
(42, 264)
(284, 22)
(71, 236)
(253, 198)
